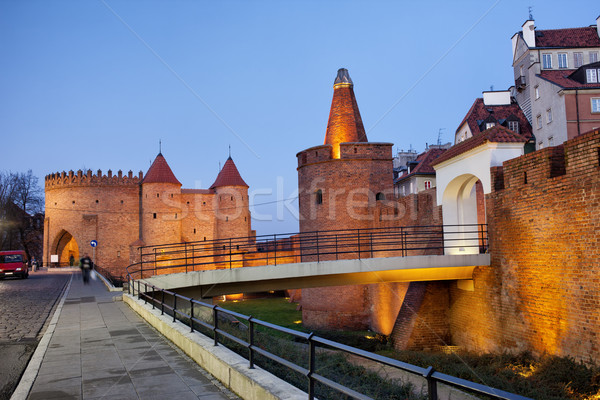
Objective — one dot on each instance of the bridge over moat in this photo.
(315, 259)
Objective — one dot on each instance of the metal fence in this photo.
(313, 246)
(185, 310)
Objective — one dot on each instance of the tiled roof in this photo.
(424, 164)
(344, 124)
(496, 134)
(229, 176)
(570, 37)
(160, 172)
(561, 78)
(479, 112)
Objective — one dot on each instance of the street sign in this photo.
(93, 243)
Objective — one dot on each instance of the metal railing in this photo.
(311, 246)
(185, 310)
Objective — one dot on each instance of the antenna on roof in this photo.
(229, 151)
(439, 142)
(491, 88)
(530, 13)
(159, 146)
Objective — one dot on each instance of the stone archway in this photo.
(67, 248)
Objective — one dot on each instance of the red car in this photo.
(14, 263)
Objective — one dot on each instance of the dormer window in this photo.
(489, 125)
(591, 75)
(513, 126)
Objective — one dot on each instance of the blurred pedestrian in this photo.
(86, 266)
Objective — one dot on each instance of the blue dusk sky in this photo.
(96, 84)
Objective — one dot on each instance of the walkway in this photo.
(101, 349)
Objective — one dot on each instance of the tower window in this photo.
(73, 201)
(226, 219)
(194, 230)
(380, 196)
(154, 215)
(157, 194)
(121, 201)
(319, 197)
(175, 215)
(96, 201)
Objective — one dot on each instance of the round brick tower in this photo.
(339, 184)
(161, 208)
(231, 203)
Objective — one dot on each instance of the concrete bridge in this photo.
(210, 283)
(315, 259)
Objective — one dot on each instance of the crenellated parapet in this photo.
(346, 151)
(72, 179)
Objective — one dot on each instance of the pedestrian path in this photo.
(101, 349)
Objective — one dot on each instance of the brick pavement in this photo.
(26, 303)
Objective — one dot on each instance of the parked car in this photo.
(14, 263)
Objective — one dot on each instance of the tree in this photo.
(21, 213)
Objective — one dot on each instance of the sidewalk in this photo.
(101, 349)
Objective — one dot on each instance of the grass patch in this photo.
(278, 311)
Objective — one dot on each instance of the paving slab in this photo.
(101, 349)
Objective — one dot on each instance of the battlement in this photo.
(572, 160)
(69, 179)
(348, 151)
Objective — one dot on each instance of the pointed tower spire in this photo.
(160, 172)
(345, 124)
(229, 176)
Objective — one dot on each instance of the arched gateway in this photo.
(463, 178)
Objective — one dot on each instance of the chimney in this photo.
(529, 33)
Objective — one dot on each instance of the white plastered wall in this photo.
(455, 179)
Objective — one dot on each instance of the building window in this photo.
(548, 115)
(537, 92)
(593, 56)
(319, 197)
(427, 184)
(551, 141)
(538, 120)
(577, 60)
(547, 61)
(489, 125)
(562, 61)
(592, 75)
(513, 126)
(596, 105)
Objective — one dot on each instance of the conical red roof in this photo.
(345, 124)
(229, 176)
(160, 172)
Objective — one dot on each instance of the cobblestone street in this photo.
(25, 305)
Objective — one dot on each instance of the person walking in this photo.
(86, 266)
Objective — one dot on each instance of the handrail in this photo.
(310, 246)
(432, 377)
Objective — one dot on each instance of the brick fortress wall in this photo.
(90, 206)
(542, 291)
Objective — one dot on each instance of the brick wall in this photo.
(541, 292)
